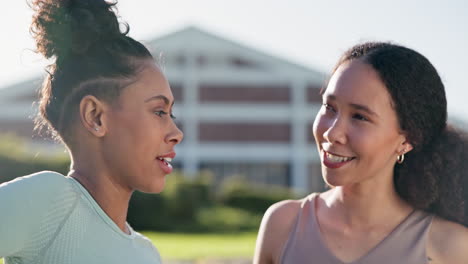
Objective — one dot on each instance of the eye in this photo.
(173, 116)
(328, 107)
(160, 113)
(360, 117)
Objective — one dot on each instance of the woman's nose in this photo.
(176, 135)
(336, 131)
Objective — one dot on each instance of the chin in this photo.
(155, 186)
(333, 180)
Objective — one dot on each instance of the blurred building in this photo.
(243, 112)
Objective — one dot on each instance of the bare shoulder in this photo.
(282, 212)
(274, 231)
(448, 242)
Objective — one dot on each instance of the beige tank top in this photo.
(405, 244)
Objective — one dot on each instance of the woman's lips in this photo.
(165, 160)
(164, 165)
(335, 161)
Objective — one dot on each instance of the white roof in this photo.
(192, 40)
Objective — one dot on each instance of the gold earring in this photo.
(401, 158)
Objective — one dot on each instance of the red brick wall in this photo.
(244, 93)
(313, 94)
(177, 92)
(244, 132)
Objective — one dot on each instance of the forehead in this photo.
(357, 82)
(148, 82)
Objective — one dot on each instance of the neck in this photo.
(105, 190)
(365, 205)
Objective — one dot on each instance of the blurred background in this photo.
(246, 77)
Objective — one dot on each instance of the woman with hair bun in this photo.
(109, 103)
(397, 172)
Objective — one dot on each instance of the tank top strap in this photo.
(304, 241)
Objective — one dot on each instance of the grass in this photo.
(202, 246)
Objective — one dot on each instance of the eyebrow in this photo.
(160, 97)
(356, 106)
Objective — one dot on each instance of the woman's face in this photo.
(141, 134)
(356, 129)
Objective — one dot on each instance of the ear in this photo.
(92, 111)
(405, 146)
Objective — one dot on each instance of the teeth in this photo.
(167, 160)
(334, 158)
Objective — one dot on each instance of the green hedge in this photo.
(227, 219)
(16, 161)
(193, 205)
(175, 209)
(239, 193)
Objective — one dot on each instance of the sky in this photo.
(307, 32)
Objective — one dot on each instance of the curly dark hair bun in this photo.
(64, 27)
(92, 53)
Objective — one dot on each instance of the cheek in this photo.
(320, 126)
(134, 134)
(148, 137)
(362, 144)
(144, 126)
(371, 144)
(388, 146)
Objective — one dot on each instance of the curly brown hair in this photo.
(91, 55)
(434, 175)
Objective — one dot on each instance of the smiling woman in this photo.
(109, 103)
(396, 170)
